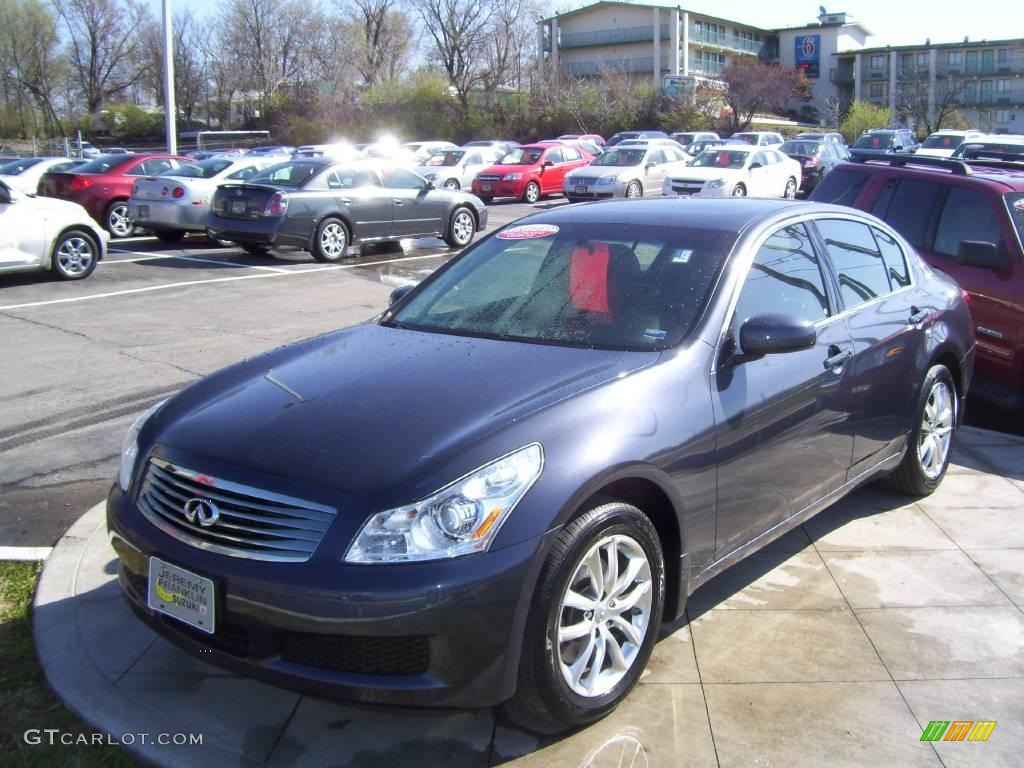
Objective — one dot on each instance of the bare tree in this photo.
(914, 102)
(754, 86)
(193, 45)
(103, 46)
(461, 31)
(29, 64)
(833, 110)
(383, 36)
(510, 35)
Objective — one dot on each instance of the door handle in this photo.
(345, 200)
(837, 356)
(917, 315)
(398, 202)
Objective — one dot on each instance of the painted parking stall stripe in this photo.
(220, 263)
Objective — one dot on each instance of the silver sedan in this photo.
(627, 171)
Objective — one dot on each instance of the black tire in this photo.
(487, 200)
(75, 255)
(169, 235)
(255, 249)
(911, 477)
(331, 241)
(531, 193)
(461, 228)
(634, 190)
(115, 219)
(739, 191)
(452, 184)
(791, 188)
(543, 699)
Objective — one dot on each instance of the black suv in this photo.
(966, 218)
(899, 141)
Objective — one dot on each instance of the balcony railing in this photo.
(615, 36)
(707, 68)
(633, 65)
(843, 77)
(733, 42)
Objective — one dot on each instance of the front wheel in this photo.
(461, 228)
(532, 192)
(930, 444)
(75, 255)
(634, 190)
(116, 220)
(594, 618)
(790, 192)
(331, 241)
(739, 191)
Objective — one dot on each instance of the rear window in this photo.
(944, 141)
(19, 166)
(967, 215)
(874, 141)
(841, 187)
(206, 169)
(907, 206)
(101, 165)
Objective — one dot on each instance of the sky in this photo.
(892, 22)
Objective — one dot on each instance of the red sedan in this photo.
(529, 172)
(103, 185)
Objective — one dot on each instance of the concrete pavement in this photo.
(834, 646)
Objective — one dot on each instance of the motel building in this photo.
(660, 41)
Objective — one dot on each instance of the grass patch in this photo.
(27, 701)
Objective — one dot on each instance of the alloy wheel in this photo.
(634, 191)
(463, 227)
(532, 193)
(75, 256)
(936, 432)
(120, 224)
(604, 615)
(333, 240)
(451, 184)
(790, 192)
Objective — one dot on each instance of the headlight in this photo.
(460, 519)
(130, 449)
(716, 183)
(607, 180)
(513, 176)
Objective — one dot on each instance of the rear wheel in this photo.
(532, 192)
(452, 184)
(930, 444)
(75, 255)
(116, 219)
(790, 192)
(331, 241)
(169, 235)
(256, 249)
(593, 620)
(739, 191)
(461, 228)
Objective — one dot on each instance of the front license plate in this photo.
(485, 187)
(142, 212)
(580, 190)
(181, 594)
(238, 206)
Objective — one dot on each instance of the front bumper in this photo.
(444, 634)
(704, 191)
(499, 189)
(580, 192)
(169, 215)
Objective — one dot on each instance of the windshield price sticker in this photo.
(527, 232)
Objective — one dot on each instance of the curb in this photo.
(71, 674)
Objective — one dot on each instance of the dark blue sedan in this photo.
(497, 490)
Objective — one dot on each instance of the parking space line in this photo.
(278, 273)
(207, 261)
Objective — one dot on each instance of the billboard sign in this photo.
(808, 54)
(679, 86)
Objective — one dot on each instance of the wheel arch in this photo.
(85, 229)
(333, 214)
(947, 357)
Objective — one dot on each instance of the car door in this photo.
(366, 204)
(888, 324)
(654, 171)
(782, 422)
(415, 209)
(23, 233)
(760, 176)
(552, 176)
(472, 164)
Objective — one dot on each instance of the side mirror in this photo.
(978, 253)
(756, 165)
(649, 166)
(771, 334)
(430, 185)
(548, 163)
(399, 293)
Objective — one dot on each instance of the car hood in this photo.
(364, 410)
(605, 170)
(55, 205)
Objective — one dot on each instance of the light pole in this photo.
(169, 108)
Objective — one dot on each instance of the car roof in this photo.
(1010, 177)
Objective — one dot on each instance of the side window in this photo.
(243, 173)
(334, 181)
(861, 273)
(571, 154)
(474, 159)
(894, 258)
(907, 207)
(154, 167)
(657, 157)
(399, 178)
(841, 187)
(967, 215)
(785, 277)
(759, 157)
(555, 156)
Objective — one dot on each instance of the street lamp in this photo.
(169, 108)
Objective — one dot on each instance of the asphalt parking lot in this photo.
(82, 359)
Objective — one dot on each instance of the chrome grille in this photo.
(253, 523)
(487, 177)
(583, 180)
(686, 186)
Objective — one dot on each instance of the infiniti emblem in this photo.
(203, 511)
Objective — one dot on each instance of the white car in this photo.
(25, 174)
(758, 138)
(49, 234)
(944, 143)
(737, 171)
(177, 201)
(456, 168)
(634, 168)
(424, 149)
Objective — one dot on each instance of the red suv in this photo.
(530, 172)
(966, 218)
(103, 185)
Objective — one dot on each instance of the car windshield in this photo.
(19, 166)
(446, 158)
(102, 164)
(746, 138)
(874, 141)
(522, 156)
(580, 284)
(621, 157)
(290, 174)
(808, 148)
(206, 169)
(720, 158)
(943, 141)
